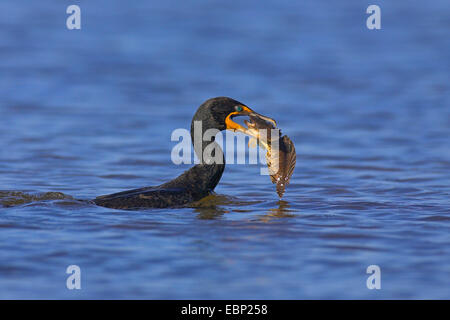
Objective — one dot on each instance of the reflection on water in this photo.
(212, 207)
(282, 211)
(91, 112)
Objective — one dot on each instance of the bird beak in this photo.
(252, 129)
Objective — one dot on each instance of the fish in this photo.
(281, 156)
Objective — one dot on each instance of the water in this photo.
(90, 112)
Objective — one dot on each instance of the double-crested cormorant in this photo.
(200, 180)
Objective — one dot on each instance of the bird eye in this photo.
(239, 108)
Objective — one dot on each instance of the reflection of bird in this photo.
(200, 180)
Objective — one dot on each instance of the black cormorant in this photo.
(200, 180)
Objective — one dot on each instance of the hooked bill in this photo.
(286, 157)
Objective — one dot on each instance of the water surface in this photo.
(91, 112)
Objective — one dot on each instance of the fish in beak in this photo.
(281, 156)
(254, 117)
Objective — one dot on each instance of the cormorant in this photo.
(199, 181)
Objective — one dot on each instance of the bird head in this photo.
(219, 112)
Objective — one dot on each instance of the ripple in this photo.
(364, 168)
(435, 218)
(371, 184)
(120, 176)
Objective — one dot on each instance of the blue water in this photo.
(91, 111)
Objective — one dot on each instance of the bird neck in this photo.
(209, 153)
(202, 178)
